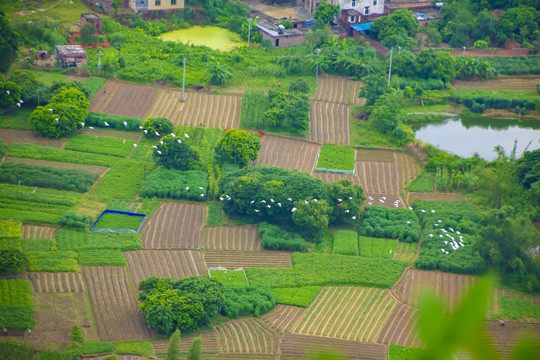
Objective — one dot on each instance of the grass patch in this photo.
(97, 347)
(16, 120)
(101, 257)
(100, 145)
(517, 309)
(176, 184)
(336, 158)
(214, 217)
(346, 242)
(407, 252)
(117, 122)
(134, 347)
(302, 296)
(398, 352)
(10, 229)
(14, 350)
(93, 84)
(31, 151)
(149, 206)
(16, 292)
(313, 269)
(52, 261)
(119, 221)
(254, 104)
(235, 277)
(422, 183)
(379, 248)
(75, 240)
(37, 244)
(362, 134)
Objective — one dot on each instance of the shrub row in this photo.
(117, 122)
(275, 238)
(176, 184)
(390, 223)
(241, 300)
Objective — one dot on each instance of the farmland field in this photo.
(435, 196)
(338, 90)
(115, 100)
(217, 111)
(132, 135)
(329, 123)
(283, 318)
(231, 238)
(90, 168)
(245, 259)
(282, 152)
(38, 232)
(174, 226)
(209, 342)
(247, 336)
(502, 83)
(164, 263)
(114, 304)
(29, 137)
(63, 282)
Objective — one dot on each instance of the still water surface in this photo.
(466, 137)
(214, 37)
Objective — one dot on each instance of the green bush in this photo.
(314, 269)
(97, 347)
(176, 184)
(390, 223)
(254, 104)
(336, 158)
(229, 277)
(42, 176)
(301, 296)
(119, 221)
(12, 259)
(214, 217)
(14, 350)
(71, 219)
(241, 300)
(117, 122)
(10, 229)
(134, 347)
(77, 336)
(374, 247)
(100, 145)
(346, 242)
(275, 238)
(155, 126)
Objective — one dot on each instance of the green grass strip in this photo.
(335, 157)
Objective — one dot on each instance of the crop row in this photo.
(16, 291)
(57, 282)
(244, 259)
(247, 336)
(100, 145)
(231, 238)
(329, 123)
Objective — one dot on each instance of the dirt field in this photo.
(338, 90)
(525, 82)
(245, 259)
(248, 335)
(400, 328)
(38, 232)
(174, 225)
(29, 137)
(284, 153)
(57, 282)
(175, 264)
(283, 318)
(231, 238)
(123, 99)
(435, 196)
(329, 123)
(217, 111)
(90, 168)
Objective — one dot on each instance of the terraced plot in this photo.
(231, 238)
(353, 313)
(247, 336)
(57, 282)
(29, 137)
(435, 196)
(209, 342)
(114, 304)
(329, 123)
(217, 111)
(299, 345)
(38, 232)
(283, 317)
(174, 225)
(175, 264)
(123, 99)
(400, 327)
(378, 177)
(447, 286)
(90, 168)
(246, 259)
(287, 153)
(338, 89)
(409, 167)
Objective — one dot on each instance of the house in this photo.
(70, 55)
(92, 19)
(280, 36)
(364, 7)
(139, 5)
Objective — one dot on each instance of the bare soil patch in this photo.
(231, 238)
(246, 259)
(29, 137)
(284, 153)
(524, 82)
(283, 318)
(63, 282)
(123, 99)
(38, 232)
(329, 123)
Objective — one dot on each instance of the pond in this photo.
(214, 37)
(464, 137)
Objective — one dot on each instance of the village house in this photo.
(143, 5)
(92, 19)
(70, 55)
(363, 7)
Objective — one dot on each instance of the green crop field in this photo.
(235, 277)
(346, 242)
(378, 248)
(100, 145)
(119, 221)
(336, 158)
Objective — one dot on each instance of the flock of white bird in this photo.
(382, 200)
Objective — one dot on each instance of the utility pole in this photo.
(39, 90)
(318, 51)
(249, 31)
(184, 80)
(100, 54)
(390, 66)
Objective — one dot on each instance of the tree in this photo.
(157, 127)
(239, 146)
(218, 75)
(194, 352)
(254, 33)
(400, 24)
(173, 349)
(299, 85)
(9, 42)
(346, 200)
(375, 85)
(325, 13)
(385, 114)
(12, 260)
(520, 23)
(87, 33)
(27, 83)
(117, 40)
(312, 217)
(10, 94)
(116, 5)
(436, 64)
(174, 153)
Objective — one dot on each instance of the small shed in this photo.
(92, 19)
(70, 55)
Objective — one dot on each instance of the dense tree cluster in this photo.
(12, 260)
(9, 41)
(238, 146)
(289, 110)
(396, 29)
(157, 127)
(174, 153)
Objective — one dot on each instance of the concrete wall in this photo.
(284, 41)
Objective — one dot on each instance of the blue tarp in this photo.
(362, 27)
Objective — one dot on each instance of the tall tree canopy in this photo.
(9, 41)
(238, 146)
(325, 13)
(175, 153)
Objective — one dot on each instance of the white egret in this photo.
(51, 110)
(346, 211)
(91, 128)
(57, 119)
(157, 134)
(306, 201)
(289, 199)
(140, 127)
(187, 188)
(19, 104)
(145, 132)
(82, 124)
(272, 200)
(269, 206)
(173, 135)
(384, 198)
(161, 142)
(179, 141)
(279, 204)
(106, 123)
(354, 218)
(202, 195)
(135, 145)
(293, 209)
(339, 200)
(154, 146)
(252, 201)
(432, 211)
(159, 152)
(221, 198)
(8, 92)
(21, 101)
(187, 136)
(423, 210)
(408, 222)
(124, 141)
(257, 210)
(350, 197)
(430, 235)
(263, 201)
(369, 203)
(125, 123)
(410, 208)
(315, 200)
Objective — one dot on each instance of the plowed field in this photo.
(114, 304)
(283, 317)
(293, 344)
(400, 327)
(231, 238)
(174, 225)
(246, 259)
(247, 336)
(57, 282)
(353, 313)
(287, 153)
(217, 111)
(123, 99)
(329, 123)
(175, 264)
(435, 196)
(29, 137)
(502, 83)
(91, 168)
(209, 342)
(38, 232)
(447, 286)
(339, 90)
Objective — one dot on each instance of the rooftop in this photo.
(70, 49)
(91, 16)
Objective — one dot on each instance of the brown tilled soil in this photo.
(329, 123)
(283, 317)
(284, 153)
(435, 196)
(123, 99)
(29, 137)
(231, 238)
(64, 282)
(524, 82)
(38, 232)
(245, 259)
(90, 168)
(248, 335)
(338, 90)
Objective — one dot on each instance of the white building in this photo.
(364, 7)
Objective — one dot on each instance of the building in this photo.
(70, 55)
(144, 5)
(280, 36)
(92, 19)
(364, 7)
